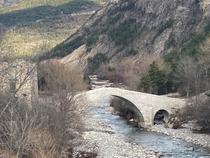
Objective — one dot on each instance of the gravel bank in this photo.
(184, 134)
(101, 138)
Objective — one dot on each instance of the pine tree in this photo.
(155, 81)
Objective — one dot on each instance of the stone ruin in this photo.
(19, 77)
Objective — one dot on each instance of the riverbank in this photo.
(110, 136)
(101, 138)
(184, 134)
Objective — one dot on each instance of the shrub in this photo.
(124, 33)
(155, 81)
(165, 25)
(130, 52)
(207, 94)
(54, 76)
(27, 132)
(197, 111)
(91, 40)
(145, 84)
(64, 48)
(162, 28)
(192, 47)
(46, 128)
(96, 61)
(113, 77)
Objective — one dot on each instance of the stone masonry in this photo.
(147, 105)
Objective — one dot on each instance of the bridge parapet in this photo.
(147, 104)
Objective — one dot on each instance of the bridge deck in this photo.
(147, 104)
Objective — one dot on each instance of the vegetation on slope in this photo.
(184, 68)
(96, 61)
(37, 26)
(28, 4)
(124, 33)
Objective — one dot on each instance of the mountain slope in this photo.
(34, 26)
(135, 27)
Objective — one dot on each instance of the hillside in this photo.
(4, 3)
(34, 26)
(153, 27)
(131, 34)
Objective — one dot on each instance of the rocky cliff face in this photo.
(127, 28)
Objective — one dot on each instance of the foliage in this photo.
(171, 59)
(54, 77)
(163, 27)
(130, 51)
(207, 94)
(191, 47)
(91, 40)
(31, 132)
(96, 61)
(113, 19)
(64, 48)
(190, 50)
(201, 114)
(124, 33)
(155, 81)
(41, 130)
(197, 111)
(171, 42)
(189, 75)
(145, 84)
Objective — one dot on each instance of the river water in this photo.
(167, 146)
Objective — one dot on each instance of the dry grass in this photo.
(36, 38)
(43, 144)
(57, 76)
(39, 144)
(4, 153)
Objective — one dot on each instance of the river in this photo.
(167, 146)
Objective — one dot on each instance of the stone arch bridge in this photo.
(145, 105)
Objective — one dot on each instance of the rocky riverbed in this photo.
(101, 138)
(184, 134)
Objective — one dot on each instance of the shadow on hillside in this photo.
(33, 14)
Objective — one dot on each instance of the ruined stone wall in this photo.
(19, 77)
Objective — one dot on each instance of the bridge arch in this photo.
(161, 116)
(148, 106)
(131, 106)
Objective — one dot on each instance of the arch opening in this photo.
(161, 117)
(127, 110)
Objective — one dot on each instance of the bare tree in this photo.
(193, 75)
(62, 83)
(41, 130)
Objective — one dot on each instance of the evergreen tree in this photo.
(155, 81)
